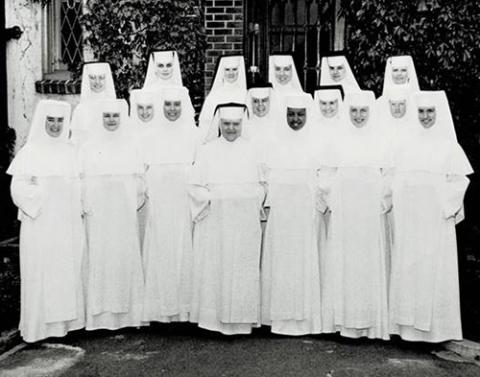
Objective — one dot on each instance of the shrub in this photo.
(123, 32)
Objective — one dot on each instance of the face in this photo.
(97, 82)
(54, 126)
(111, 121)
(398, 108)
(337, 72)
(164, 69)
(329, 108)
(172, 110)
(231, 129)
(145, 112)
(283, 74)
(359, 115)
(400, 74)
(427, 116)
(296, 117)
(230, 74)
(261, 106)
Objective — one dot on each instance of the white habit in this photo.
(163, 70)
(168, 151)
(112, 192)
(226, 201)
(428, 190)
(346, 79)
(46, 190)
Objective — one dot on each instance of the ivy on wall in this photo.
(445, 47)
(123, 32)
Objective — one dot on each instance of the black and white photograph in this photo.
(240, 188)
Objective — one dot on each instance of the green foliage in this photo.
(444, 43)
(123, 32)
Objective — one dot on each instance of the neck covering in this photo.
(96, 68)
(156, 57)
(44, 155)
(219, 83)
(435, 149)
(232, 111)
(365, 146)
(144, 97)
(401, 61)
(172, 141)
(110, 152)
(349, 83)
(293, 86)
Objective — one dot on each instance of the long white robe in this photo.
(424, 296)
(291, 302)
(52, 246)
(226, 203)
(168, 248)
(354, 287)
(115, 278)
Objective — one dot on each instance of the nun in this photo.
(400, 73)
(329, 105)
(283, 75)
(335, 70)
(97, 84)
(354, 283)
(168, 151)
(428, 191)
(290, 263)
(262, 106)
(112, 193)
(46, 189)
(227, 196)
(229, 85)
(163, 70)
(144, 110)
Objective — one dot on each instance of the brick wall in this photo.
(224, 30)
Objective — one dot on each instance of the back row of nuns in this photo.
(161, 220)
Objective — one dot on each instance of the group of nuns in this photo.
(332, 214)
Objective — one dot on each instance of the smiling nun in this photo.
(144, 110)
(428, 190)
(97, 84)
(290, 262)
(112, 193)
(168, 153)
(400, 73)
(354, 283)
(227, 197)
(46, 190)
(163, 70)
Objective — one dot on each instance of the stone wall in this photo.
(224, 30)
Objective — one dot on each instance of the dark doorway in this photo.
(303, 28)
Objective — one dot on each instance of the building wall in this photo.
(24, 66)
(224, 32)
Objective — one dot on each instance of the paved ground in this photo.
(182, 350)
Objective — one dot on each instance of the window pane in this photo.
(71, 32)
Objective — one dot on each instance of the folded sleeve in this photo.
(27, 196)
(454, 192)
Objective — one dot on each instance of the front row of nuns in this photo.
(329, 173)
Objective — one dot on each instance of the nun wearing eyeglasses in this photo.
(163, 70)
(46, 189)
(168, 152)
(335, 70)
(428, 190)
(112, 193)
(227, 196)
(400, 73)
(291, 298)
(97, 84)
(229, 85)
(354, 282)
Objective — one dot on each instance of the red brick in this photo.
(214, 24)
(212, 10)
(218, 39)
(222, 46)
(235, 25)
(223, 32)
(233, 38)
(224, 17)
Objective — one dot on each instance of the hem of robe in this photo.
(154, 309)
(180, 317)
(207, 319)
(294, 327)
(411, 334)
(52, 329)
(115, 321)
(370, 333)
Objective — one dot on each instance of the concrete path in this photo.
(183, 350)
